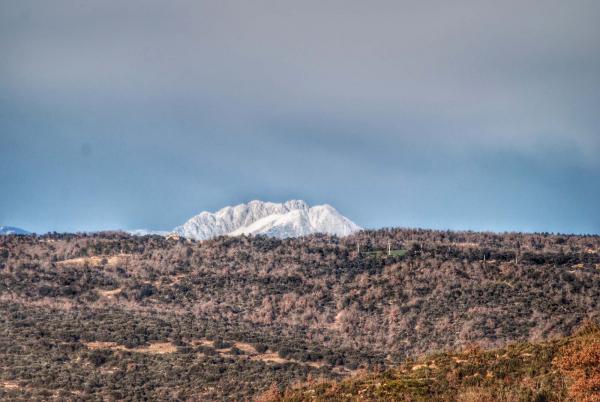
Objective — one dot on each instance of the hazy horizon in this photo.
(138, 115)
(166, 230)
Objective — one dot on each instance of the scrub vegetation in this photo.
(110, 316)
(564, 369)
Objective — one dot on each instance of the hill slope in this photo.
(109, 316)
(564, 369)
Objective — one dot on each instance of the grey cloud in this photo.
(223, 95)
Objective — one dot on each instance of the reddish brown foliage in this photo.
(580, 362)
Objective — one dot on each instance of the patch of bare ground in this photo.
(107, 370)
(158, 348)
(467, 245)
(177, 278)
(251, 353)
(268, 356)
(245, 347)
(425, 366)
(155, 348)
(168, 281)
(272, 357)
(10, 385)
(95, 261)
(203, 342)
(109, 293)
(100, 345)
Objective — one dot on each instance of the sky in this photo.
(480, 115)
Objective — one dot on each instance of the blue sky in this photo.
(475, 115)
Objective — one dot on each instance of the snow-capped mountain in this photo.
(7, 230)
(146, 232)
(289, 219)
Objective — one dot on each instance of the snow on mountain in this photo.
(289, 219)
(7, 230)
(146, 232)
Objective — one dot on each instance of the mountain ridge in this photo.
(7, 230)
(292, 218)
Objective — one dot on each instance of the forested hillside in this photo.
(116, 316)
(562, 369)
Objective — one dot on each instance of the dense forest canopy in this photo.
(109, 315)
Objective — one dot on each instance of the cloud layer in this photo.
(468, 114)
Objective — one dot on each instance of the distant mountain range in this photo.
(146, 232)
(7, 230)
(293, 218)
(289, 219)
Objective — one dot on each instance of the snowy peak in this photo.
(8, 230)
(146, 232)
(289, 219)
